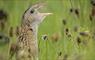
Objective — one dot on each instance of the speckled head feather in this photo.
(32, 16)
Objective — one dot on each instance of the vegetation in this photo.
(68, 34)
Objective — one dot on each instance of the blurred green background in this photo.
(68, 34)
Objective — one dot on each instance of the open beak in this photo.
(39, 6)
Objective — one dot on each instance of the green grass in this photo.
(49, 49)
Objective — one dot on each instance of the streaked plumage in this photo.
(27, 46)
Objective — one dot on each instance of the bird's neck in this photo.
(34, 28)
(35, 31)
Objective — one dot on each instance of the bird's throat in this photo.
(35, 31)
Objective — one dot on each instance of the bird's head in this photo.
(33, 16)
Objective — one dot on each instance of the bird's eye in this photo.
(32, 11)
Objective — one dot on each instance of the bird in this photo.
(27, 44)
